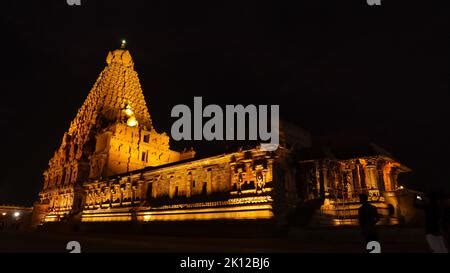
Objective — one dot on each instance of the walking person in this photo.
(368, 218)
(433, 223)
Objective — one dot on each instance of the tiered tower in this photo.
(111, 134)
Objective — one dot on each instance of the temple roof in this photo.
(116, 96)
(120, 56)
(117, 88)
(336, 148)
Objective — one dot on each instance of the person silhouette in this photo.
(367, 218)
(433, 222)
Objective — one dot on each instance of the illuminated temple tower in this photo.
(113, 166)
(112, 133)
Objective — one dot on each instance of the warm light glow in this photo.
(132, 121)
(4, 213)
(244, 212)
(401, 187)
(128, 112)
(16, 214)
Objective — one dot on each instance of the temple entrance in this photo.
(148, 193)
(204, 190)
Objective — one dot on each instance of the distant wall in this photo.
(14, 217)
(404, 209)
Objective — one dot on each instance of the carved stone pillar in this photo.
(336, 176)
(188, 184)
(129, 191)
(371, 175)
(154, 188)
(381, 184)
(371, 179)
(134, 196)
(110, 191)
(122, 195)
(349, 182)
(209, 182)
(171, 187)
(318, 177)
(356, 178)
(362, 176)
(325, 179)
(394, 177)
(387, 177)
(140, 190)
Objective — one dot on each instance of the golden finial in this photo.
(124, 43)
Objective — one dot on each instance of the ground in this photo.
(334, 241)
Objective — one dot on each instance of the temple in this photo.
(113, 166)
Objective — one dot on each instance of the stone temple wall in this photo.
(231, 186)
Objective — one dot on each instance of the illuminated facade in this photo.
(113, 165)
(14, 217)
(340, 182)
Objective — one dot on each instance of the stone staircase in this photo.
(339, 214)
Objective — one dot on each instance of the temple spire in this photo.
(116, 97)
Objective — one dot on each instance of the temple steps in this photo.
(236, 229)
(347, 215)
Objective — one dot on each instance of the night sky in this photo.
(336, 68)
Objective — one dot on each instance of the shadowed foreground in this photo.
(334, 241)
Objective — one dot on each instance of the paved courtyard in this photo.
(327, 241)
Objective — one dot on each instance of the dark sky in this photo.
(334, 67)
